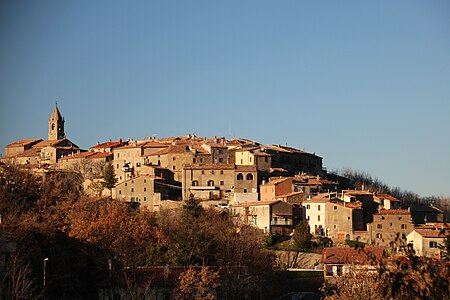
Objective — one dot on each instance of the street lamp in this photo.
(45, 269)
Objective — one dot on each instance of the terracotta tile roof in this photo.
(160, 152)
(430, 233)
(277, 180)
(394, 212)
(77, 156)
(262, 154)
(278, 170)
(388, 197)
(29, 153)
(107, 145)
(242, 168)
(357, 193)
(289, 194)
(23, 143)
(247, 149)
(209, 167)
(258, 203)
(347, 255)
(217, 145)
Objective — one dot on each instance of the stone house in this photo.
(338, 261)
(389, 227)
(332, 217)
(272, 217)
(219, 181)
(275, 187)
(147, 190)
(427, 241)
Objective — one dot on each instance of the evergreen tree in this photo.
(109, 177)
(302, 236)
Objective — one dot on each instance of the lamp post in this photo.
(45, 270)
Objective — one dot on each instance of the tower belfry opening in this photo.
(56, 125)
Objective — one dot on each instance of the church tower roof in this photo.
(56, 125)
(56, 115)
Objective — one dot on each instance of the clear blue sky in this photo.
(364, 84)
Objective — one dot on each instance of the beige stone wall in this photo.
(139, 189)
(339, 221)
(385, 228)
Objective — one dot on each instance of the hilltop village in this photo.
(270, 187)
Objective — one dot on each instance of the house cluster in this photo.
(272, 187)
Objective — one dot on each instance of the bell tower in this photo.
(56, 125)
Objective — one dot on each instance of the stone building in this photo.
(389, 227)
(147, 190)
(427, 241)
(332, 217)
(273, 217)
(220, 181)
(39, 151)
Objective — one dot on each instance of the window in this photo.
(334, 226)
(173, 167)
(255, 220)
(193, 160)
(250, 159)
(174, 158)
(245, 190)
(249, 176)
(195, 183)
(211, 183)
(266, 159)
(117, 166)
(138, 164)
(379, 226)
(212, 172)
(145, 180)
(222, 183)
(318, 207)
(132, 189)
(220, 160)
(145, 198)
(379, 236)
(240, 176)
(120, 192)
(221, 172)
(203, 172)
(403, 226)
(335, 207)
(403, 236)
(145, 189)
(201, 160)
(275, 220)
(126, 184)
(242, 161)
(307, 206)
(318, 218)
(433, 244)
(118, 155)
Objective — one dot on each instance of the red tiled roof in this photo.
(289, 194)
(347, 255)
(388, 197)
(257, 203)
(209, 167)
(29, 153)
(276, 181)
(278, 170)
(23, 143)
(394, 212)
(430, 233)
(107, 145)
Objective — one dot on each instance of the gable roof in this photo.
(348, 255)
(430, 233)
(257, 203)
(23, 143)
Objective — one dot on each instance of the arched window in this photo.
(211, 183)
(249, 176)
(240, 176)
(53, 126)
(195, 183)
